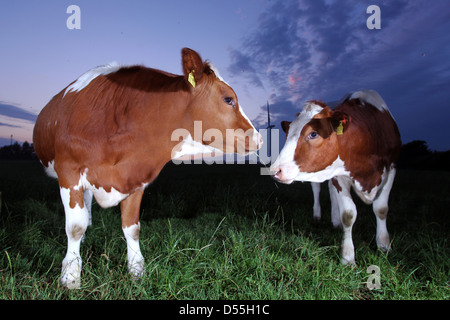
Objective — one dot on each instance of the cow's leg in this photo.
(317, 215)
(87, 197)
(130, 208)
(77, 220)
(347, 210)
(335, 213)
(380, 208)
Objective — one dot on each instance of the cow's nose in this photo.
(276, 173)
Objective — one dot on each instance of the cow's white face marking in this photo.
(285, 160)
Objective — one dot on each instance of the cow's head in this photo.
(214, 105)
(311, 151)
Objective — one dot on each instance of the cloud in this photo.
(12, 111)
(2, 124)
(322, 49)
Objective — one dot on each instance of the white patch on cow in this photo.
(285, 160)
(372, 97)
(50, 170)
(380, 207)
(84, 80)
(347, 213)
(77, 220)
(337, 168)
(134, 255)
(256, 137)
(104, 198)
(108, 199)
(216, 72)
(191, 147)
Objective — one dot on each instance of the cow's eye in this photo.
(229, 101)
(312, 135)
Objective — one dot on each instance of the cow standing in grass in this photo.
(354, 146)
(110, 132)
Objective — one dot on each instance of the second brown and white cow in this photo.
(355, 145)
(109, 133)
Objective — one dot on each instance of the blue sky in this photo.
(284, 52)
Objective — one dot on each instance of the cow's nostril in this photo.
(277, 173)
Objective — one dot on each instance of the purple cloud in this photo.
(322, 49)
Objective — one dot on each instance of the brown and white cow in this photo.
(109, 133)
(354, 146)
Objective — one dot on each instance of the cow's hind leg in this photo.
(347, 210)
(77, 220)
(380, 208)
(130, 208)
(317, 211)
(87, 197)
(335, 213)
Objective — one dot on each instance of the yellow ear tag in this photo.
(340, 129)
(191, 78)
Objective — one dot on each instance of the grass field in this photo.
(225, 232)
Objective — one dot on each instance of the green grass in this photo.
(225, 232)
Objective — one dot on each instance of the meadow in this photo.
(225, 232)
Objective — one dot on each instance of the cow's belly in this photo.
(108, 199)
(369, 196)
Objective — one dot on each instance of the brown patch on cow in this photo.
(382, 213)
(347, 218)
(135, 234)
(77, 231)
(76, 197)
(285, 126)
(336, 185)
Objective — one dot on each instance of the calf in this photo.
(109, 133)
(354, 146)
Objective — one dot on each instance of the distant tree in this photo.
(417, 155)
(17, 152)
(416, 148)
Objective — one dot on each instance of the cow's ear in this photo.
(340, 121)
(285, 126)
(192, 66)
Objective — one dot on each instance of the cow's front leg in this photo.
(130, 208)
(77, 220)
(347, 210)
